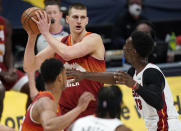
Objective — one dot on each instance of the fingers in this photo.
(41, 17)
(90, 96)
(87, 97)
(120, 77)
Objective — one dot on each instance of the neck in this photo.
(55, 89)
(140, 64)
(55, 28)
(77, 37)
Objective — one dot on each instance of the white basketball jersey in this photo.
(42, 43)
(92, 123)
(155, 119)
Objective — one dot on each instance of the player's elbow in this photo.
(67, 56)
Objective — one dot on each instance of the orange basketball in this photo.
(27, 22)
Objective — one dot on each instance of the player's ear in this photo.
(87, 20)
(59, 77)
(67, 19)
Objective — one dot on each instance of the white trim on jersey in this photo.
(20, 83)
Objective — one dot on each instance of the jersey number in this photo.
(138, 104)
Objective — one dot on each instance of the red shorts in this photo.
(18, 84)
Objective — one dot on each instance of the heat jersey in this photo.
(155, 119)
(28, 123)
(92, 123)
(73, 91)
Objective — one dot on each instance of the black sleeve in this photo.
(131, 71)
(153, 85)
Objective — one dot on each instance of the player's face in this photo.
(53, 12)
(77, 20)
(128, 50)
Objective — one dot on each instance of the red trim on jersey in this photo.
(163, 117)
(69, 38)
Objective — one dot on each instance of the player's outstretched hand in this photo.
(76, 75)
(123, 78)
(84, 100)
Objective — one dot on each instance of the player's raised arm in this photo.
(32, 62)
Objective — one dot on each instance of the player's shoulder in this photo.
(94, 35)
(44, 103)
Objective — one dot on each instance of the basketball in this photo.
(27, 22)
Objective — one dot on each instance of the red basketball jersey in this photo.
(73, 91)
(28, 124)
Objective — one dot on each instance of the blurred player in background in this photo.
(10, 77)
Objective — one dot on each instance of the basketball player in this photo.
(150, 89)
(80, 50)
(44, 112)
(10, 78)
(52, 7)
(107, 115)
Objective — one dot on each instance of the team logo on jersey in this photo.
(76, 66)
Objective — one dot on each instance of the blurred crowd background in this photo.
(104, 15)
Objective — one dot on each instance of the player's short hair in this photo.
(50, 69)
(78, 6)
(109, 102)
(143, 43)
(150, 25)
(52, 2)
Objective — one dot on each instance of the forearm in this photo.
(59, 47)
(29, 55)
(63, 121)
(32, 85)
(152, 95)
(103, 77)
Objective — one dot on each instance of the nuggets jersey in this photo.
(73, 91)
(2, 38)
(155, 120)
(92, 123)
(28, 123)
